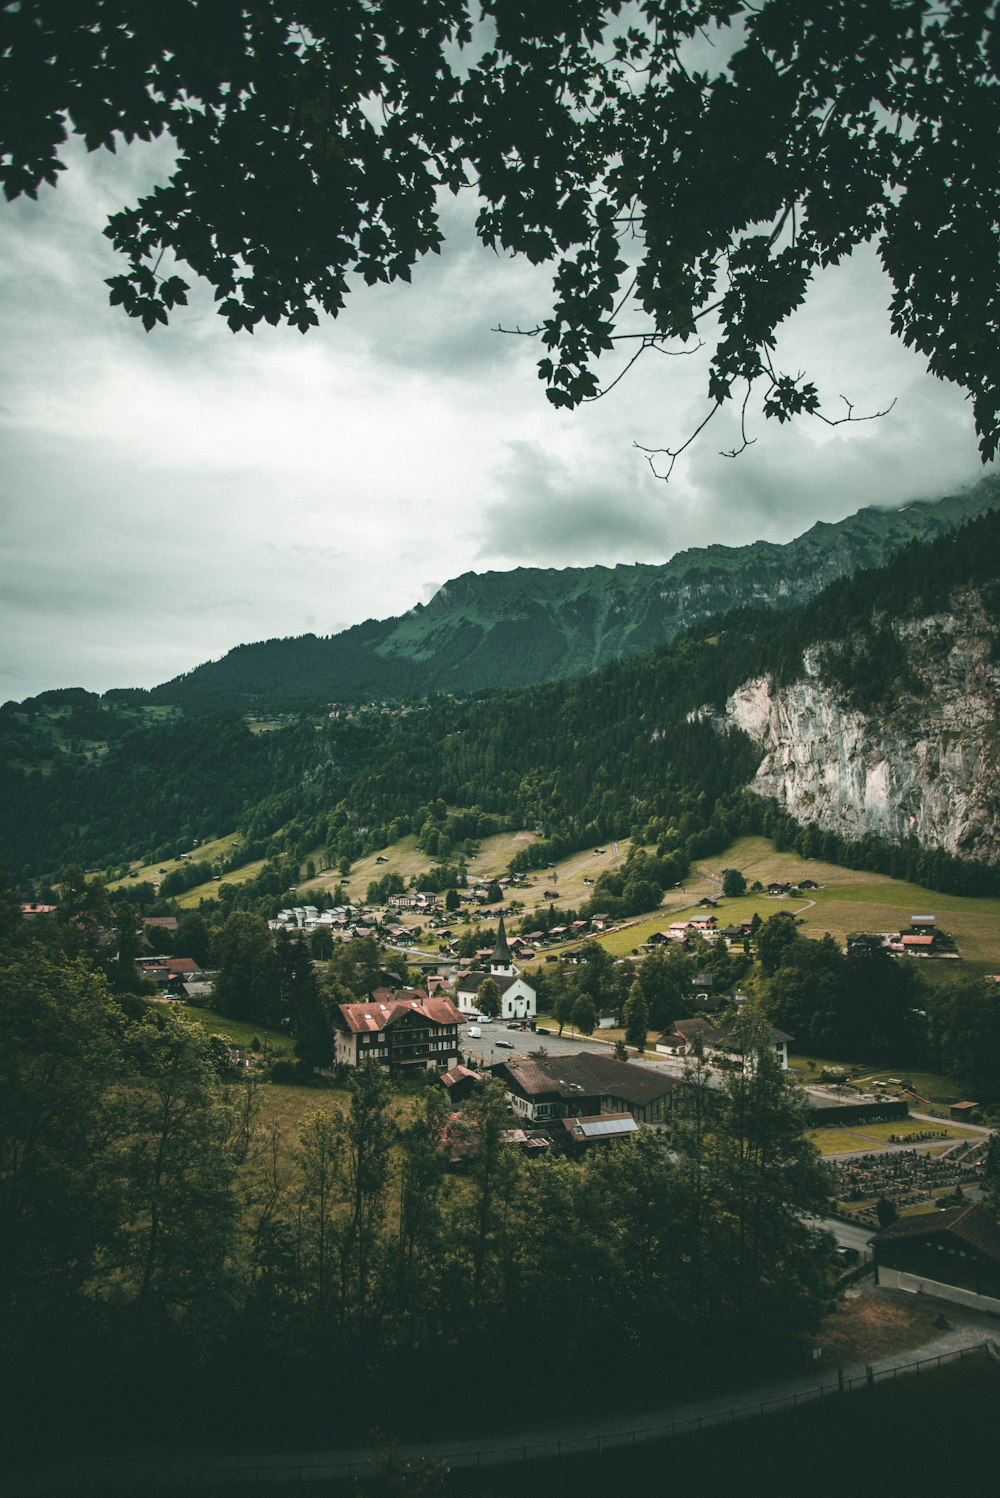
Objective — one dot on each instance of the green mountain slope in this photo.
(632, 749)
(507, 629)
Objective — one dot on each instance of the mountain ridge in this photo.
(483, 631)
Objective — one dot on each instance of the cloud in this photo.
(168, 496)
(550, 512)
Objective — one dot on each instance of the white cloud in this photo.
(168, 496)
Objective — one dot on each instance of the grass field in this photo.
(238, 1031)
(848, 900)
(152, 873)
(853, 900)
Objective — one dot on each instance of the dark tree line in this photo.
(168, 1252)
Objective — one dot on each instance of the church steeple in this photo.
(501, 962)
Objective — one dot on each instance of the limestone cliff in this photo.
(926, 765)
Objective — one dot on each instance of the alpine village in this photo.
(577, 999)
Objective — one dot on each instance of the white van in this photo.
(475, 1033)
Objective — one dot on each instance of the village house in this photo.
(459, 1083)
(952, 1255)
(517, 996)
(691, 1037)
(545, 1089)
(402, 1029)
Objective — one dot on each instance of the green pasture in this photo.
(192, 898)
(152, 873)
(240, 1032)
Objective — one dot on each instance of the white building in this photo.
(517, 997)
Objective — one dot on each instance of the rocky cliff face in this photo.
(927, 766)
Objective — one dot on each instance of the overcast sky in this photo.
(167, 496)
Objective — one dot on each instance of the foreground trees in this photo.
(161, 1232)
(675, 186)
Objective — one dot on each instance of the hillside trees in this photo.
(61, 1052)
(965, 1035)
(180, 1168)
(666, 183)
(246, 982)
(767, 1176)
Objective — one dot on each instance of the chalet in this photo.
(778, 887)
(724, 1042)
(402, 1029)
(704, 924)
(687, 1037)
(691, 1037)
(657, 939)
(952, 1255)
(32, 908)
(707, 903)
(919, 923)
(547, 1088)
(517, 996)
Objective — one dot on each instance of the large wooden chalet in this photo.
(402, 1029)
(545, 1088)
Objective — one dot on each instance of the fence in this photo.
(333, 1469)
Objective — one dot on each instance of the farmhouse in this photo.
(402, 1029)
(953, 1255)
(690, 1037)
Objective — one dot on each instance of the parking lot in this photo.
(497, 1043)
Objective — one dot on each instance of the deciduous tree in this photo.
(679, 191)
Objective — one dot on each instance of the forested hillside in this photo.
(508, 629)
(624, 751)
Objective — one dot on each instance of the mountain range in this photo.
(865, 716)
(508, 629)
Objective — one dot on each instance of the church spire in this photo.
(501, 963)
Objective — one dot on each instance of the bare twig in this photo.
(840, 421)
(674, 453)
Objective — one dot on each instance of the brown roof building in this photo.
(402, 1029)
(541, 1088)
(954, 1255)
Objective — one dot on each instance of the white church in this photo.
(517, 997)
